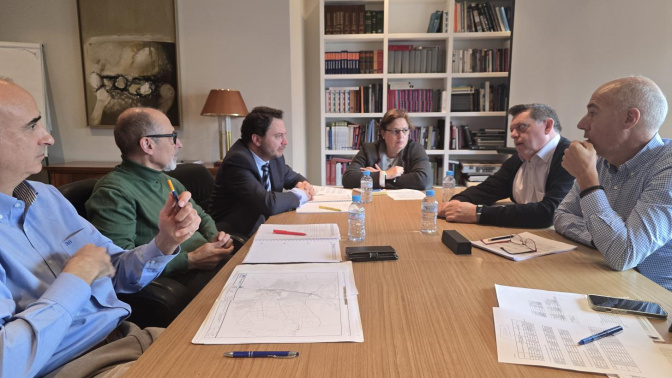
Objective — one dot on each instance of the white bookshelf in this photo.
(405, 23)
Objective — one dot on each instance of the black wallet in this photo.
(371, 253)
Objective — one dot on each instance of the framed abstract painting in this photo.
(129, 58)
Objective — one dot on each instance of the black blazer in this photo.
(240, 203)
(500, 186)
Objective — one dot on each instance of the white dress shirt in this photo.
(530, 182)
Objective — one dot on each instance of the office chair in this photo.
(158, 303)
(198, 180)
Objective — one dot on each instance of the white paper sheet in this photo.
(319, 207)
(532, 340)
(544, 247)
(331, 194)
(304, 303)
(320, 244)
(405, 194)
(569, 307)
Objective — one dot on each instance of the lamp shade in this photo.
(224, 102)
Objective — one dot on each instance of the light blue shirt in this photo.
(48, 318)
(630, 222)
(303, 197)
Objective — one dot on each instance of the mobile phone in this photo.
(371, 253)
(626, 306)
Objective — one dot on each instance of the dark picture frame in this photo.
(129, 58)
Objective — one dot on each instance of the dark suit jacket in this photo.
(500, 186)
(417, 171)
(240, 203)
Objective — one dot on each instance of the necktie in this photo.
(264, 179)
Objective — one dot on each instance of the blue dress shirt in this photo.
(630, 222)
(48, 318)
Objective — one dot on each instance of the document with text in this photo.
(295, 243)
(293, 303)
(331, 194)
(568, 307)
(532, 340)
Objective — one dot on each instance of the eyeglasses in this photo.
(520, 245)
(173, 135)
(396, 132)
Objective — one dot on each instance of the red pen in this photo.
(285, 232)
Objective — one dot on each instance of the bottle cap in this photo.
(449, 173)
(356, 198)
(366, 173)
(429, 192)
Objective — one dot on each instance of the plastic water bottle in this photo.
(356, 220)
(448, 186)
(430, 209)
(366, 187)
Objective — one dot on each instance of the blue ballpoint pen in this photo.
(605, 333)
(261, 354)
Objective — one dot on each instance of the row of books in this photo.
(344, 135)
(438, 22)
(417, 100)
(487, 98)
(362, 99)
(481, 60)
(353, 62)
(335, 168)
(415, 59)
(463, 138)
(430, 137)
(482, 17)
(475, 172)
(352, 19)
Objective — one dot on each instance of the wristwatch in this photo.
(479, 209)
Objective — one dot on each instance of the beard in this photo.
(172, 165)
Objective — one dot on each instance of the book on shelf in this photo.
(335, 168)
(435, 24)
(480, 168)
(481, 17)
(414, 100)
(351, 19)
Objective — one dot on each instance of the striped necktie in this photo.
(264, 179)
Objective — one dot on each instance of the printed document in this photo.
(517, 252)
(293, 303)
(532, 340)
(331, 194)
(319, 244)
(405, 194)
(568, 307)
(311, 207)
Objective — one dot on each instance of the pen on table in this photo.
(285, 232)
(597, 336)
(501, 238)
(329, 208)
(261, 354)
(172, 189)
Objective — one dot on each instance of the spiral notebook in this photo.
(295, 243)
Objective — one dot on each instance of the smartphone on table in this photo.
(626, 306)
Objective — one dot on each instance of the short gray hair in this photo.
(130, 128)
(642, 93)
(538, 112)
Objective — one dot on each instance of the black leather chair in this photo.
(200, 183)
(159, 302)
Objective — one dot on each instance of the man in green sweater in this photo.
(125, 204)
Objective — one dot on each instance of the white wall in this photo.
(239, 44)
(563, 50)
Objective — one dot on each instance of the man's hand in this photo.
(90, 263)
(209, 255)
(176, 224)
(580, 161)
(306, 187)
(456, 211)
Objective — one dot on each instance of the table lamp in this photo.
(228, 103)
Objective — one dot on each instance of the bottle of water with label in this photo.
(366, 187)
(430, 209)
(448, 186)
(356, 220)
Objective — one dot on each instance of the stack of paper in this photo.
(304, 303)
(331, 194)
(542, 328)
(319, 243)
(405, 194)
(517, 252)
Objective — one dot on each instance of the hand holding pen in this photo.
(176, 224)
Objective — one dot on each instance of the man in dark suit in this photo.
(250, 182)
(533, 179)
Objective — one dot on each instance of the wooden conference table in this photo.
(429, 314)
